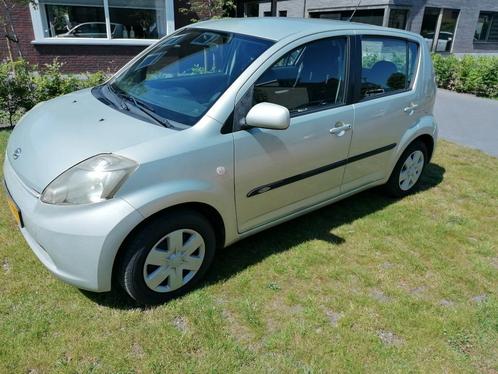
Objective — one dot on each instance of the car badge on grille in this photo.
(17, 153)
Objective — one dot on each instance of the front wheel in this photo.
(408, 170)
(167, 257)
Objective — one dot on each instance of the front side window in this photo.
(388, 65)
(183, 75)
(309, 77)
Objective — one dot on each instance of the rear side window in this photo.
(309, 77)
(388, 65)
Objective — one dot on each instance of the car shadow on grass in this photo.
(317, 225)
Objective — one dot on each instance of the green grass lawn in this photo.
(369, 284)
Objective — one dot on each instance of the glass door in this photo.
(429, 25)
(447, 30)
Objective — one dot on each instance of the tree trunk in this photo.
(7, 41)
(12, 36)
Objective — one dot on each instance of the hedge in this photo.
(23, 85)
(477, 75)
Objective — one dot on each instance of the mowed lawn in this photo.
(370, 284)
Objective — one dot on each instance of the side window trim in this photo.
(357, 72)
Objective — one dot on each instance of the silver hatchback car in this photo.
(214, 133)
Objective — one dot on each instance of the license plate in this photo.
(14, 209)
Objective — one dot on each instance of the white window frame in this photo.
(36, 19)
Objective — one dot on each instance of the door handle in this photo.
(340, 128)
(410, 109)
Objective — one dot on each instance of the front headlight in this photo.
(91, 181)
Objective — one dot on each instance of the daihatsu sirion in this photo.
(212, 134)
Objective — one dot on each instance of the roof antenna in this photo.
(354, 11)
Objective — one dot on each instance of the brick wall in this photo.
(90, 58)
(76, 58)
(22, 21)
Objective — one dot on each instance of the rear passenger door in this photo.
(386, 105)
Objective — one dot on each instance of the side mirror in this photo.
(268, 116)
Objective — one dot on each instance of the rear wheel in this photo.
(167, 257)
(408, 170)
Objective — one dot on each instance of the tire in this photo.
(398, 187)
(167, 257)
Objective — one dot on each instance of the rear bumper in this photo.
(78, 244)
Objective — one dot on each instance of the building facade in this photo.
(449, 26)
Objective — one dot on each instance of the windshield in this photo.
(184, 74)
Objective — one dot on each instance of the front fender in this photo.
(167, 194)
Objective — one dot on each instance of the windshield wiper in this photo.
(143, 107)
(121, 103)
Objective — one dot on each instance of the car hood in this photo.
(57, 134)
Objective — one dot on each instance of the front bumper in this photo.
(78, 244)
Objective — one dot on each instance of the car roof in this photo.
(277, 28)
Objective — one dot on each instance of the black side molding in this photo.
(310, 173)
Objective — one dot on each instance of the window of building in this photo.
(438, 28)
(388, 65)
(309, 77)
(447, 30)
(281, 13)
(370, 16)
(398, 18)
(487, 27)
(251, 9)
(65, 20)
(143, 19)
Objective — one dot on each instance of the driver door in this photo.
(280, 172)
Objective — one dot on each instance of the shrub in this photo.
(446, 70)
(22, 86)
(50, 82)
(472, 74)
(16, 88)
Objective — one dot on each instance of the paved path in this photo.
(468, 120)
